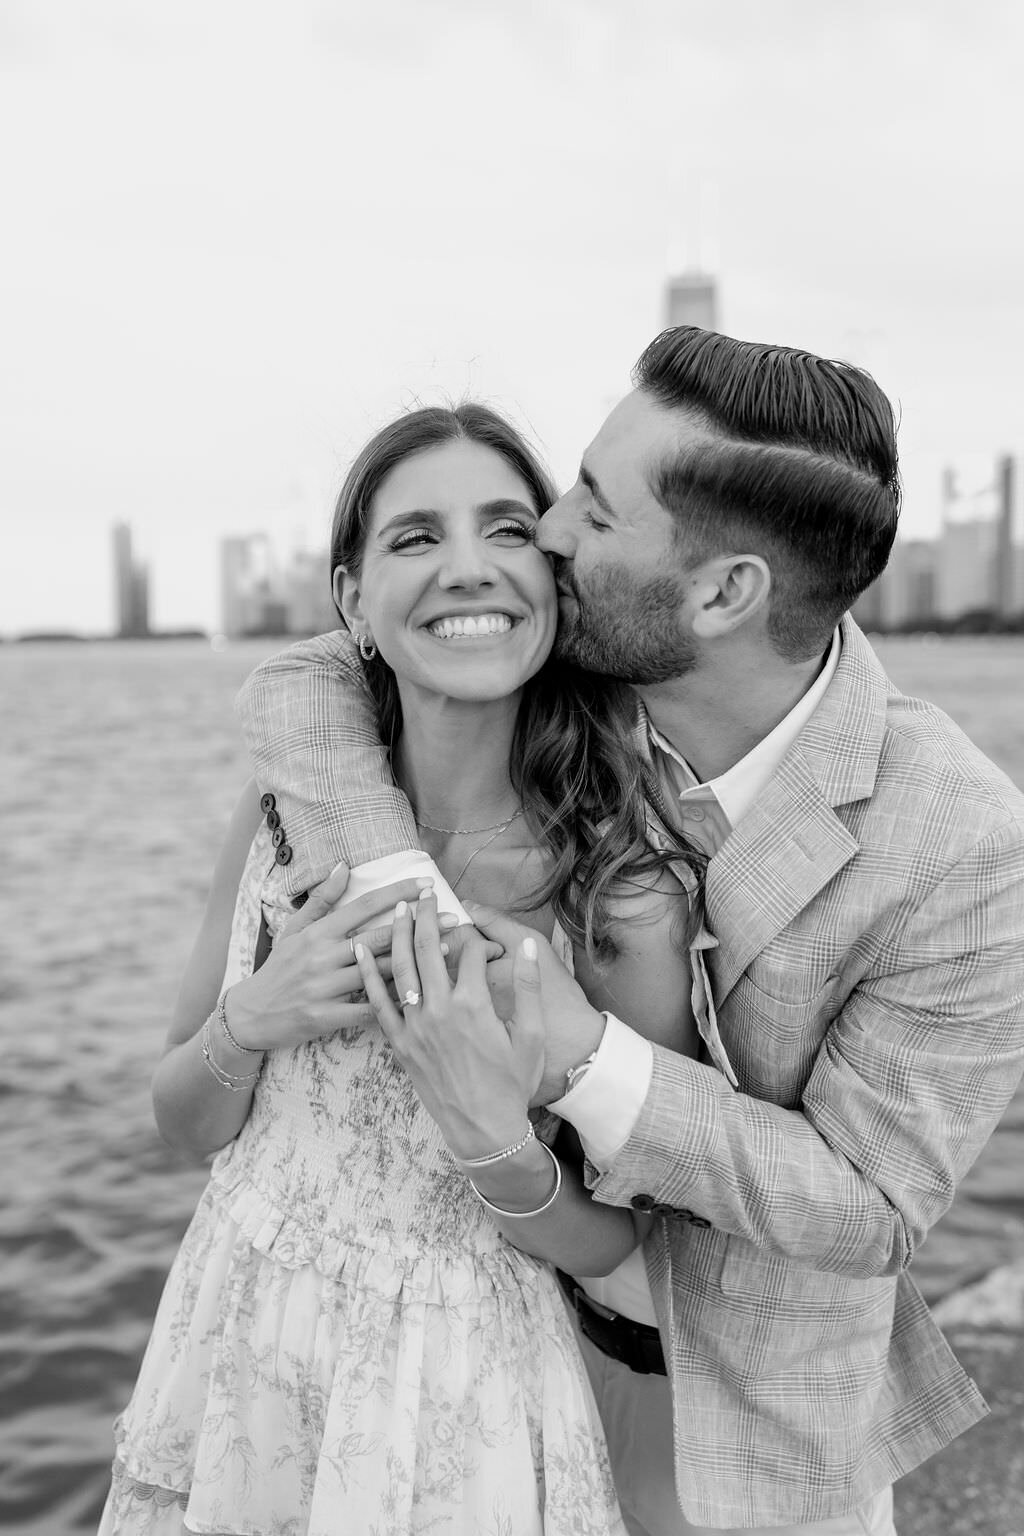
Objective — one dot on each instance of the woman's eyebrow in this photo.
(508, 505)
(410, 519)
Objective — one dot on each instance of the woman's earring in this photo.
(367, 649)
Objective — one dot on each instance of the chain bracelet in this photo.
(226, 1079)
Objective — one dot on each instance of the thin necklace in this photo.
(496, 826)
(496, 830)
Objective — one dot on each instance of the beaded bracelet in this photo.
(497, 1157)
(226, 1079)
(222, 1020)
(499, 1210)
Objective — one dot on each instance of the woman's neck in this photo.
(452, 760)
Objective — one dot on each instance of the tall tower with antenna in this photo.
(692, 299)
(691, 296)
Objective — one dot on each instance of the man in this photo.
(865, 885)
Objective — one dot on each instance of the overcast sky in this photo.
(238, 236)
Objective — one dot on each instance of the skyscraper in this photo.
(131, 587)
(251, 600)
(1004, 582)
(692, 299)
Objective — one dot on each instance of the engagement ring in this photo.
(410, 1000)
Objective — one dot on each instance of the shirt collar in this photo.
(737, 789)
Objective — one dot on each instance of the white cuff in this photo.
(410, 863)
(605, 1104)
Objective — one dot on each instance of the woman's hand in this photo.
(474, 1073)
(570, 1026)
(309, 985)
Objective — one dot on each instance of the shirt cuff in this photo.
(605, 1104)
(410, 864)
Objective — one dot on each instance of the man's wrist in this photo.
(607, 1100)
(575, 1075)
(586, 1042)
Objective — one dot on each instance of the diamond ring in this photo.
(410, 1000)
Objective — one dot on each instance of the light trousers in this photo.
(636, 1412)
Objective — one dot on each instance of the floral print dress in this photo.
(346, 1345)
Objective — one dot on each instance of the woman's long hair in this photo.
(573, 763)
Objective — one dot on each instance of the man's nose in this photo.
(554, 531)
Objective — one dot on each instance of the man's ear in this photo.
(347, 597)
(729, 592)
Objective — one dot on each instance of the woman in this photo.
(346, 1342)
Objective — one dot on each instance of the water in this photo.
(121, 765)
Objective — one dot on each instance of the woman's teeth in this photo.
(471, 627)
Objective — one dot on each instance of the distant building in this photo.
(1006, 593)
(251, 601)
(131, 587)
(966, 568)
(691, 299)
(904, 594)
(309, 605)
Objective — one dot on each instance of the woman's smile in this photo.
(471, 626)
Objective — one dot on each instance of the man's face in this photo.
(619, 564)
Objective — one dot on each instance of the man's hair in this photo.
(800, 467)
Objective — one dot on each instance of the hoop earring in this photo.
(367, 649)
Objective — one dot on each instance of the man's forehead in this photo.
(639, 434)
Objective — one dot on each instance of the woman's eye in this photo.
(513, 529)
(412, 539)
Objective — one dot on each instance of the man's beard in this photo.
(624, 626)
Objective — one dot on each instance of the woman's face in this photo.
(453, 591)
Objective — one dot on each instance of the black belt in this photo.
(637, 1345)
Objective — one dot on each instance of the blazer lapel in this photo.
(792, 843)
(784, 851)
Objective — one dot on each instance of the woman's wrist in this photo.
(503, 1131)
(236, 1032)
(517, 1183)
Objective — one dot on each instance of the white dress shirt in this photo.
(605, 1105)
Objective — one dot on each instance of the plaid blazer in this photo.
(864, 1025)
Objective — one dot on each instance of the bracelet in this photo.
(222, 1019)
(500, 1210)
(226, 1079)
(497, 1157)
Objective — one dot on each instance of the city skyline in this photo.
(205, 313)
(975, 565)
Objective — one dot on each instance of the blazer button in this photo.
(682, 1213)
(659, 1208)
(267, 802)
(273, 819)
(278, 837)
(283, 854)
(643, 1202)
(700, 1221)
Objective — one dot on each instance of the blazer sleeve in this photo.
(311, 729)
(909, 1082)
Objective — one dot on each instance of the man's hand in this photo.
(572, 1028)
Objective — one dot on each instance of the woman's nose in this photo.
(468, 563)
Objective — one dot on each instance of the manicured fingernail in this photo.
(358, 951)
(401, 909)
(530, 948)
(444, 949)
(447, 920)
(425, 885)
